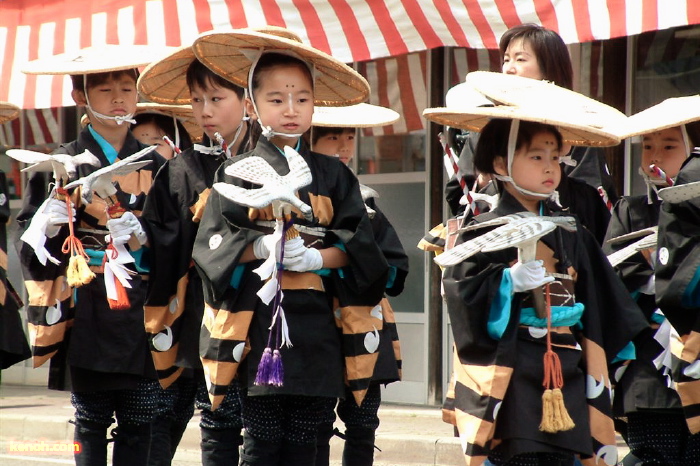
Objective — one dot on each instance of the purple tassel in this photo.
(277, 374)
(264, 368)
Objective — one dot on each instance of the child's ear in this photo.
(250, 109)
(79, 98)
(500, 165)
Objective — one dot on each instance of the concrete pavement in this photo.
(408, 435)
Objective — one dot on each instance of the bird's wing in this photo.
(567, 223)
(29, 156)
(518, 232)
(256, 198)
(632, 235)
(299, 172)
(648, 242)
(83, 158)
(499, 221)
(254, 170)
(679, 193)
(464, 250)
(368, 192)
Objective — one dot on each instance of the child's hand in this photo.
(262, 246)
(121, 229)
(309, 259)
(528, 276)
(56, 212)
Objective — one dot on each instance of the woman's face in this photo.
(665, 149)
(521, 60)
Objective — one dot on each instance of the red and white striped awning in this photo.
(351, 30)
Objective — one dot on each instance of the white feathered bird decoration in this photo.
(274, 187)
(63, 166)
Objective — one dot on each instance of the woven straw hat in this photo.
(354, 116)
(97, 59)
(571, 120)
(670, 113)
(231, 56)
(509, 89)
(8, 112)
(165, 81)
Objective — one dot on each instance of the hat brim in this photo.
(670, 113)
(522, 92)
(8, 112)
(354, 116)
(165, 81)
(475, 118)
(98, 59)
(231, 55)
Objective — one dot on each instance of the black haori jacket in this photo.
(499, 382)
(105, 349)
(236, 321)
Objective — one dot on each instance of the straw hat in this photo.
(97, 59)
(354, 116)
(509, 89)
(231, 56)
(165, 81)
(670, 113)
(8, 112)
(571, 119)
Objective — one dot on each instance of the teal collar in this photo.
(109, 151)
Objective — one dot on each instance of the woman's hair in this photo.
(493, 141)
(95, 79)
(317, 132)
(549, 48)
(167, 125)
(201, 76)
(269, 61)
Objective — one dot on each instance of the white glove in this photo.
(294, 247)
(121, 229)
(309, 259)
(262, 246)
(529, 275)
(57, 215)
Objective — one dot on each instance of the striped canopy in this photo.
(351, 30)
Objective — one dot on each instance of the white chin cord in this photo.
(512, 140)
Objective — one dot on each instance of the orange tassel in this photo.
(122, 302)
(555, 417)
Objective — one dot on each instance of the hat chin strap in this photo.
(267, 131)
(120, 119)
(512, 140)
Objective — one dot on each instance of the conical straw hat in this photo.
(518, 91)
(571, 120)
(354, 116)
(165, 81)
(97, 59)
(8, 112)
(670, 113)
(232, 54)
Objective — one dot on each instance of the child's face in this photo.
(217, 110)
(536, 167)
(521, 60)
(285, 102)
(665, 149)
(339, 145)
(150, 134)
(114, 97)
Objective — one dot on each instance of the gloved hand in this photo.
(57, 213)
(262, 246)
(294, 247)
(529, 275)
(121, 229)
(309, 259)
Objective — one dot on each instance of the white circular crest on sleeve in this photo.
(215, 241)
(663, 256)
